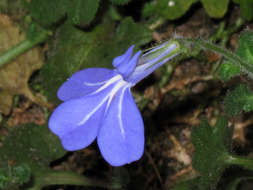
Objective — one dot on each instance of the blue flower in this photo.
(98, 104)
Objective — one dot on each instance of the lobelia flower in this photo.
(97, 103)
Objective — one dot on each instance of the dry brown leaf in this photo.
(14, 76)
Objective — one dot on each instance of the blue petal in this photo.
(124, 57)
(125, 69)
(121, 137)
(77, 121)
(84, 82)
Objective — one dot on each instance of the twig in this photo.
(154, 167)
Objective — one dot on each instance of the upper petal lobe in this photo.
(124, 58)
(121, 137)
(84, 82)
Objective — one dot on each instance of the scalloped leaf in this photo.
(47, 12)
(172, 9)
(31, 144)
(14, 176)
(228, 70)
(245, 46)
(238, 100)
(215, 8)
(13, 7)
(82, 12)
(246, 7)
(210, 144)
(245, 51)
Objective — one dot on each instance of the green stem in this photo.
(157, 24)
(22, 47)
(224, 33)
(240, 161)
(238, 24)
(244, 65)
(67, 178)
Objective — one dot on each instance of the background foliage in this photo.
(183, 150)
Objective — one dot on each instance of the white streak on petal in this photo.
(120, 113)
(94, 84)
(110, 96)
(109, 82)
(87, 117)
(120, 84)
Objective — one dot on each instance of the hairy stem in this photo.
(246, 67)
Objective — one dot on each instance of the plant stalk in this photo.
(246, 67)
(244, 162)
(22, 47)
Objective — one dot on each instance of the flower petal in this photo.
(121, 137)
(124, 57)
(125, 69)
(84, 82)
(77, 121)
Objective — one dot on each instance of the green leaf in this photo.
(236, 1)
(245, 46)
(172, 9)
(215, 8)
(129, 33)
(75, 50)
(21, 173)
(13, 7)
(48, 12)
(212, 144)
(148, 9)
(114, 13)
(191, 184)
(238, 100)
(120, 2)
(82, 12)
(246, 7)
(228, 70)
(30, 144)
(245, 51)
(14, 176)
(4, 180)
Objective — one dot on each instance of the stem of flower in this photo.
(66, 178)
(246, 67)
(22, 47)
(241, 161)
(223, 33)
